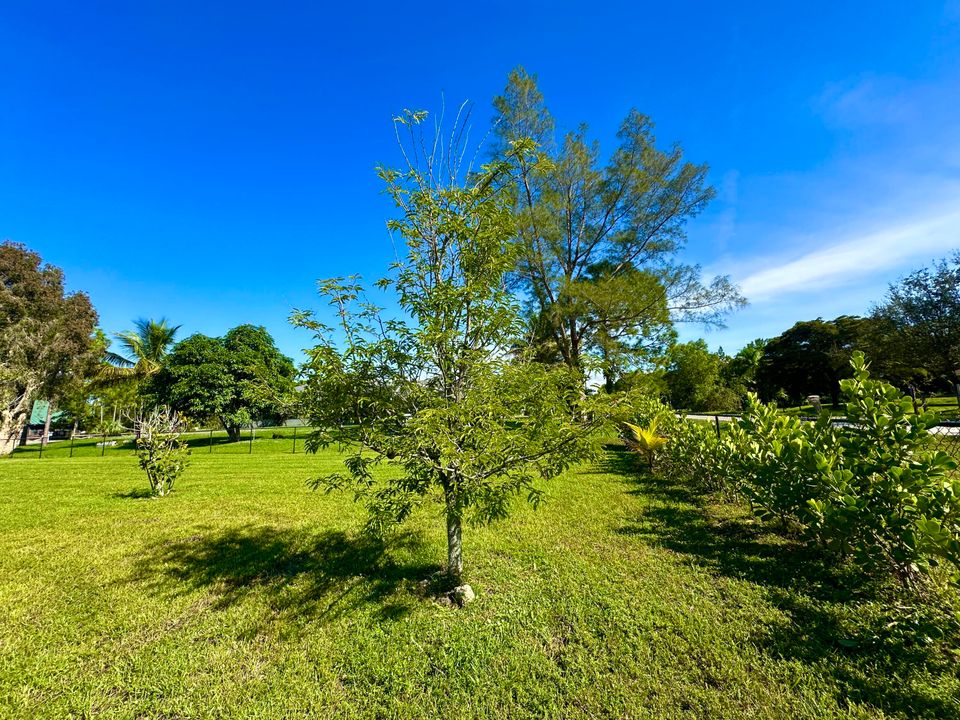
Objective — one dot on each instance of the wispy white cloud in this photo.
(855, 255)
(870, 100)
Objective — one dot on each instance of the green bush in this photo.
(692, 451)
(872, 491)
(695, 454)
(162, 454)
(896, 503)
(780, 461)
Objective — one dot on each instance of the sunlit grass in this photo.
(244, 594)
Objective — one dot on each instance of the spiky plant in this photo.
(644, 440)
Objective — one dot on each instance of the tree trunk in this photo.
(233, 433)
(608, 383)
(11, 432)
(9, 439)
(13, 420)
(46, 425)
(454, 535)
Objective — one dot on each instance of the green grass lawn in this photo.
(244, 594)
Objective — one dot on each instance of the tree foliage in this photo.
(598, 242)
(811, 358)
(694, 379)
(918, 337)
(238, 379)
(46, 334)
(143, 351)
(442, 397)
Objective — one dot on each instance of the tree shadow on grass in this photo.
(310, 576)
(821, 600)
(135, 494)
(202, 443)
(616, 459)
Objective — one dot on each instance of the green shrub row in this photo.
(873, 491)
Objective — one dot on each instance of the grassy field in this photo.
(269, 440)
(246, 595)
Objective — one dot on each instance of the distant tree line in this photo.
(51, 349)
(912, 338)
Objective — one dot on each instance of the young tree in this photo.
(45, 337)
(443, 397)
(574, 215)
(694, 378)
(236, 378)
(162, 454)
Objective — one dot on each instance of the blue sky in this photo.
(209, 161)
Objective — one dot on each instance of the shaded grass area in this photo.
(260, 440)
(245, 594)
(838, 622)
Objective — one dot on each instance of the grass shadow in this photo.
(135, 494)
(616, 459)
(199, 443)
(821, 600)
(314, 576)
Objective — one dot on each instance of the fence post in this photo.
(103, 446)
(251, 439)
(42, 438)
(716, 421)
(210, 444)
(71, 444)
(294, 439)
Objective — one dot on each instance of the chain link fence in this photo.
(253, 440)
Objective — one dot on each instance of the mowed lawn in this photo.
(245, 594)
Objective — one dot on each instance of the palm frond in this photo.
(117, 360)
(644, 439)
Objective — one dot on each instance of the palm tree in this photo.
(143, 351)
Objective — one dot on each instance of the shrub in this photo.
(896, 503)
(162, 454)
(644, 440)
(872, 491)
(691, 451)
(780, 461)
(695, 454)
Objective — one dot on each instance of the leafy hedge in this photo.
(872, 491)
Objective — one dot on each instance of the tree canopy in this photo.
(695, 379)
(599, 242)
(811, 358)
(918, 333)
(239, 378)
(142, 352)
(45, 337)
